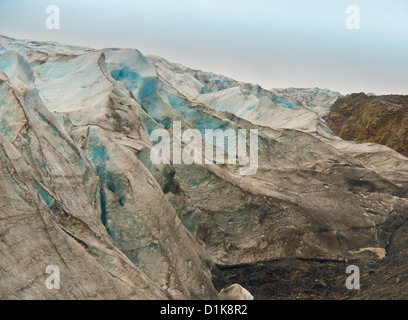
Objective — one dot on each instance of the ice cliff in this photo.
(78, 188)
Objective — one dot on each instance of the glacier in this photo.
(79, 190)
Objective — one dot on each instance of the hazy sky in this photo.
(291, 43)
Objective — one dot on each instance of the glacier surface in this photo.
(78, 188)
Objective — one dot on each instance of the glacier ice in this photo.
(75, 128)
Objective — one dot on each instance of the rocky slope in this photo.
(379, 119)
(80, 190)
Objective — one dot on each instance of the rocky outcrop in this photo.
(235, 292)
(379, 119)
